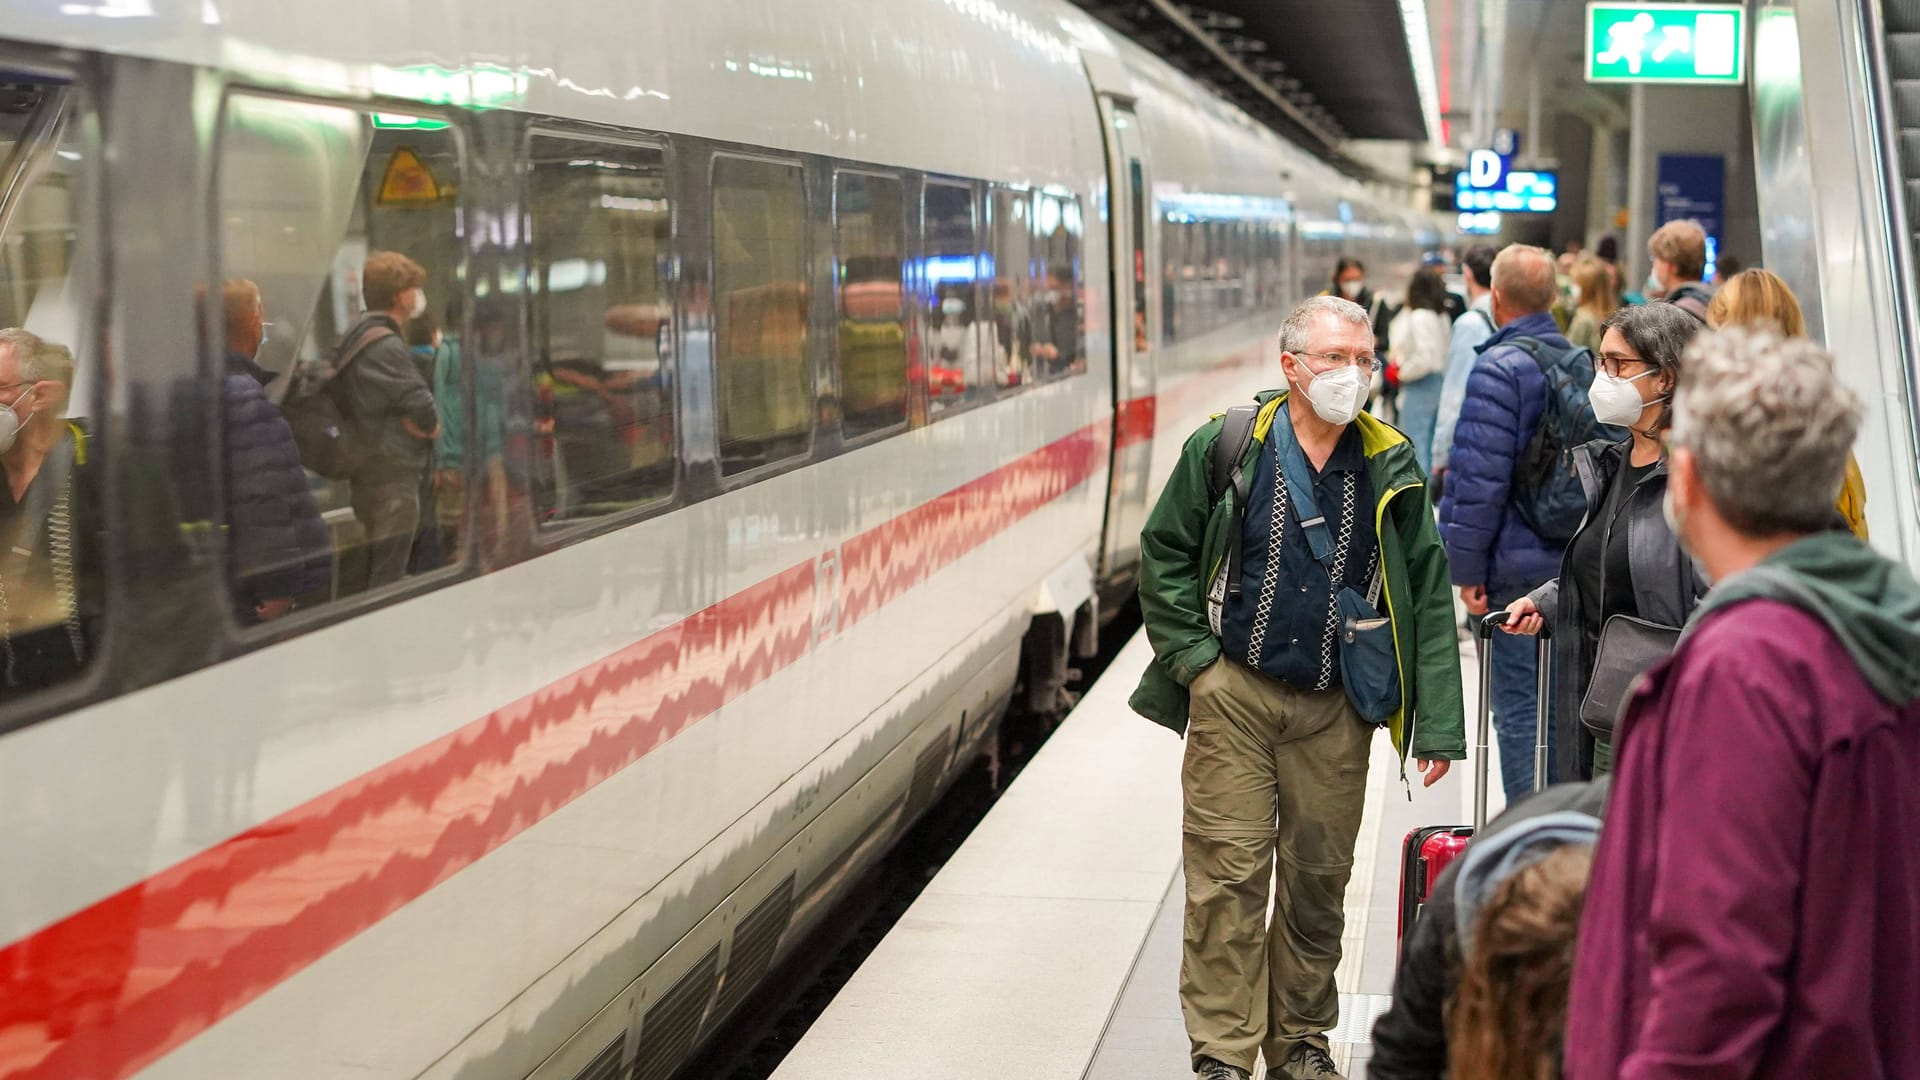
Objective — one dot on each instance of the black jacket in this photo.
(278, 544)
(1410, 1038)
(377, 391)
(1667, 584)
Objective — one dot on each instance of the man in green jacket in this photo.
(1247, 663)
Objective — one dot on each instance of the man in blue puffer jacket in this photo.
(1495, 557)
(278, 547)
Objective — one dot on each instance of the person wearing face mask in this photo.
(1624, 560)
(51, 584)
(1495, 554)
(1244, 591)
(278, 546)
(1594, 300)
(1754, 908)
(1350, 282)
(390, 404)
(1679, 253)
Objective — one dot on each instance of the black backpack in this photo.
(322, 430)
(1546, 486)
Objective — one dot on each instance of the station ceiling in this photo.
(1320, 71)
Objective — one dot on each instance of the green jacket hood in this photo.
(1871, 604)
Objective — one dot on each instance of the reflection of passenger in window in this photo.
(1010, 331)
(392, 410)
(959, 351)
(278, 546)
(1056, 332)
(50, 581)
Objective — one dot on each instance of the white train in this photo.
(788, 432)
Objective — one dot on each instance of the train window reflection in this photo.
(344, 421)
(961, 346)
(1058, 340)
(763, 386)
(52, 592)
(1011, 251)
(869, 239)
(602, 326)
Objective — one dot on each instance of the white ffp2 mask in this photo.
(1615, 401)
(1338, 395)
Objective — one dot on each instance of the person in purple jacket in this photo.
(1754, 908)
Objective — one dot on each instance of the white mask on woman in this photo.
(1615, 401)
(1351, 289)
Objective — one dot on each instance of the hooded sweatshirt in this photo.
(1755, 902)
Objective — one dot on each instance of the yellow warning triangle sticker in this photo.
(408, 181)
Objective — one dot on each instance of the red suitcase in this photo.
(1429, 849)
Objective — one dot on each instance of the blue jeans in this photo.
(1419, 407)
(1515, 703)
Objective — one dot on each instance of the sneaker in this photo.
(1309, 1062)
(1210, 1069)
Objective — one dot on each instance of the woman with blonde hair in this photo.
(1759, 299)
(1595, 298)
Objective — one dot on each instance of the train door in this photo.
(1136, 336)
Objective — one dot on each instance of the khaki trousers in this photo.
(1269, 771)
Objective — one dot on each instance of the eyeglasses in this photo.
(1365, 360)
(1611, 363)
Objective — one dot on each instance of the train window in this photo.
(763, 383)
(340, 242)
(961, 344)
(602, 232)
(869, 241)
(1059, 339)
(52, 588)
(1010, 251)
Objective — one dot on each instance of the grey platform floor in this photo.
(1049, 946)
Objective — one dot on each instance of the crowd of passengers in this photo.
(382, 381)
(1714, 879)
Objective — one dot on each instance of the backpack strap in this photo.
(1299, 477)
(1225, 472)
(1547, 357)
(357, 346)
(1229, 448)
(350, 352)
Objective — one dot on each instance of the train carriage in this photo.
(806, 412)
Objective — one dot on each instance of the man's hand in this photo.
(1475, 597)
(1434, 770)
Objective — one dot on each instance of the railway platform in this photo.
(1048, 947)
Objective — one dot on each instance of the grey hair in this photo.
(38, 359)
(1298, 329)
(1770, 427)
(1524, 277)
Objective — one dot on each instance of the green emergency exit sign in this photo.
(1666, 43)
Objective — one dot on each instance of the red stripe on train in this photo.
(115, 986)
(1133, 422)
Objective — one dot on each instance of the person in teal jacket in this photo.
(1277, 750)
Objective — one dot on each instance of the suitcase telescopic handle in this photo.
(1483, 629)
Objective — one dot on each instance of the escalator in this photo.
(1902, 52)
